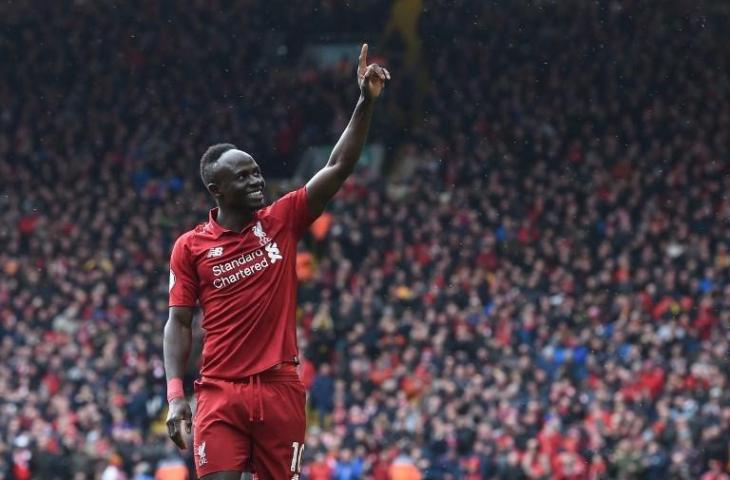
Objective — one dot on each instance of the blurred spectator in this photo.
(113, 471)
(715, 472)
(404, 469)
(348, 466)
(143, 471)
(171, 468)
(320, 468)
(321, 393)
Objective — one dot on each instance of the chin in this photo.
(256, 205)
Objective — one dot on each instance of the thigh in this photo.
(221, 443)
(233, 475)
(278, 441)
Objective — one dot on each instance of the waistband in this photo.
(281, 373)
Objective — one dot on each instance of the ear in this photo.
(214, 189)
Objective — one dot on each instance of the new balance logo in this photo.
(215, 252)
(272, 250)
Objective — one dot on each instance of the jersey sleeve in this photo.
(183, 285)
(293, 208)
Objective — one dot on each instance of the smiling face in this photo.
(236, 181)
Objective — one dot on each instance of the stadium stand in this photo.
(539, 289)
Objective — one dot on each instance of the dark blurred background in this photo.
(527, 278)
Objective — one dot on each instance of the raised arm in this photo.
(176, 350)
(325, 183)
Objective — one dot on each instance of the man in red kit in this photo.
(240, 267)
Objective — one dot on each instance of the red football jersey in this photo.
(246, 284)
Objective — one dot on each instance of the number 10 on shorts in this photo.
(296, 458)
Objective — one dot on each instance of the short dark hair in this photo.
(211, 155)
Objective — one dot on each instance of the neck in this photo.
(233, 220)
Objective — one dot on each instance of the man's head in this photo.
(233, 177)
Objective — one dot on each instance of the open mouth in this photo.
(255, 195)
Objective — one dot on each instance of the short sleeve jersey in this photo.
(246, 285)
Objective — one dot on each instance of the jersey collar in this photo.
(216, 229)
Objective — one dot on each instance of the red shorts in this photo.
(256, 424)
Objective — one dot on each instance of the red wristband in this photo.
(174, 389)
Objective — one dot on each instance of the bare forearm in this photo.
(348, 148)
(325, 183)
(176, 346)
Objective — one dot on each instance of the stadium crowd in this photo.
(540, 289)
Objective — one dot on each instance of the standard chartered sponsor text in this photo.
(239, 268)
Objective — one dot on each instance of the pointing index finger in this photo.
(363, 62)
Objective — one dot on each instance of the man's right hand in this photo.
(179, 411)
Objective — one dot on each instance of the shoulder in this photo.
(187, 237)
(287, 203)
(194, 236)
(295, 196)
